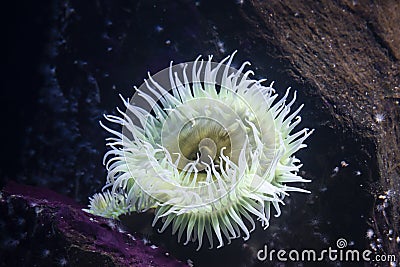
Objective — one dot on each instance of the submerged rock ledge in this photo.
(48, 229)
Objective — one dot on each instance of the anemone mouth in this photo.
(205, 141)
(205, 145)
(203, 132)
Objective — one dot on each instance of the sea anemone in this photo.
(207, 147)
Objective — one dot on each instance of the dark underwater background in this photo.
(66, 62)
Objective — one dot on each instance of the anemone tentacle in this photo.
(211, 154)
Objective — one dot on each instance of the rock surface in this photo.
(44, 228)
(349, 52)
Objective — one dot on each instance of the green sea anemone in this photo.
(206, 146)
